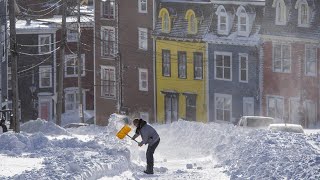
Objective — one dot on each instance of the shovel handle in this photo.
(132, 139)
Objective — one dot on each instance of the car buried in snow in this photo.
(292, 128)
(255, 121)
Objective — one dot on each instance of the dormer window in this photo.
(192, 22)
(303, 13)
(224, 20)
(243, 22)
(281, 12)
(165, 19)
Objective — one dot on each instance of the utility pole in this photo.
(62, 61)
(80, 67)
(14, 65)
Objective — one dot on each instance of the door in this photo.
(248, 106)
(45, 109)
(191, 110)
(171, 108)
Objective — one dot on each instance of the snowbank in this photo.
(39, 125)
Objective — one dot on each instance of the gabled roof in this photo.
(179, 26)
(233, 37)
(291, 29)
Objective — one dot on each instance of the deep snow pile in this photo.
(248, 154)
(92, 152)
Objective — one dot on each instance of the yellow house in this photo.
(181, 64)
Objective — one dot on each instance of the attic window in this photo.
(281, 12)
(165, 20)
(222, 20)
(243, 22)
(192, 22)
(303, 13)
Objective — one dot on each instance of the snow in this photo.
(187, 150)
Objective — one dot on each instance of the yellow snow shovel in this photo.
(124, 132)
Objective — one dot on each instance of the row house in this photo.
(3, 51)
(36, 66)
(181, 60)
(106, 60)
(290, 33)
(234, 62)
(136, 58)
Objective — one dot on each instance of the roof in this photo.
(179, 27)
(240, 2)
(233, 38)
(291, 29)
(187, 1)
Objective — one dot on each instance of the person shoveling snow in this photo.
(149, 136)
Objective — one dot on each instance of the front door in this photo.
(45, 110)
(248, 106)
(171, 108)
(191, 110)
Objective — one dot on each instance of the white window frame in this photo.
(103, 3)
(277, 98)
(141, 88)
(311, 47)
(240, 15)
(215, 65)
(280, 13)
(140, 6)
(41, 70)
(103, 68)
(281, 58)
(72, 35)
(110, 39)
(298, 6)
(220, 15)
(74, 57)
(218, 95)
(143, 38)
(247, 67)
(41, 45)
(144, 116)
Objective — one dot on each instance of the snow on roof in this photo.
(239, 2)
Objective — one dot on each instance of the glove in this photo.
(140, 144)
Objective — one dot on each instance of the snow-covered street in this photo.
(188, 150)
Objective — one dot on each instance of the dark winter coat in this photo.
(148, 134)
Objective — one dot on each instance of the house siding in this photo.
(238, 90)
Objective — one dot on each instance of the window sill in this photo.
(221, 79)
(108, 98)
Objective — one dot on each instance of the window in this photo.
(223, 107)
(108, 82)
(142, 6)
(166, 63)
(192, 21)
(72, 35)
(182, 64)
(191, 107)
(108, 9)
(303, 13)
(171, 107)
(281, 12)
(243, 67)
(311, 60)
(9, 78)
(165, 20)
(44, 43)
(222, 20)
(45, 77)
(71, 68)
(281, 58)
(243, 22)
(223, 66)
(275, 107)
(108, 42)
(144, 116)
(143, 79)
(72, 100)
(198, 65)
(143, 38)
